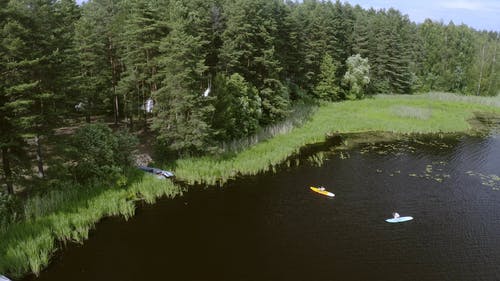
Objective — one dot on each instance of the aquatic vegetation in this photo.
(430, 172)
(342, 155)
(317, 159)
(492, 180)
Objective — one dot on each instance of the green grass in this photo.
(431, 113)
(412, 112)
(69, 216)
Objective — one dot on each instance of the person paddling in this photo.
(395, 215)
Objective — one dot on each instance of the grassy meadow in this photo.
(415, 114)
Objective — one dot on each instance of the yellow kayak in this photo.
(322, 191)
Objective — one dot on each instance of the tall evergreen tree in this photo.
(181, 120)
(249, 44)
(145, 25)
(94, 74)
(51, 27)
(399, 51)
(97, 46)
(342, 23)
(17, 85)
(362, 32)
(318, 39)
(328, 86)
(389, 51)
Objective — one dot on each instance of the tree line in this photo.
(195, 73)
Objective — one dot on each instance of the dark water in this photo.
(272, 227)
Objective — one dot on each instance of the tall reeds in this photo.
(412, 112)
(69, 215)
(300, 114)
(442, 96)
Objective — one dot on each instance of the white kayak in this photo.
(400, 219)
(3, 278)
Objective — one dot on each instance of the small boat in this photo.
(399, 219)
(3, 278)
(321, 190)
(156, 171)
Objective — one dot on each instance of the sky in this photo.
(480, 14)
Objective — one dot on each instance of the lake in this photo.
(273, 227)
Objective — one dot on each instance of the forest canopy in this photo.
(195, 73)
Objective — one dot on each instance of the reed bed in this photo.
(442, 96)
(412, 112)
(68, 216)
(300, 114)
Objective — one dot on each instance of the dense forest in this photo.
(196, 73)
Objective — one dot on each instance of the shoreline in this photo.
(28, 246)
(364, 116)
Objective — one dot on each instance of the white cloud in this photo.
(463, 5)
(486, 6)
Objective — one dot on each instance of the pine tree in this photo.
(94, 74)
(293, 56)
(322, 28)
(51, 26)
(328, 86)
(181, 120)
(318, 38)
(362, 32)
(16, 85)
(389, 52)
(398, 65)
(97, 46)
(144, 27)
(249, 44)
(342, 24)
(66, 15)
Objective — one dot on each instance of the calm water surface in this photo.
(272, 227)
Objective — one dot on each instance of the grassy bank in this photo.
(427, 113)
(63, 216)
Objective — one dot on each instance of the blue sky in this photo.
(481, 14)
